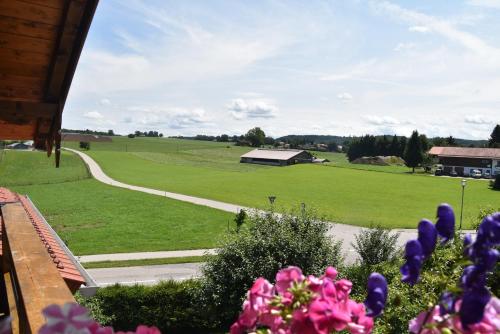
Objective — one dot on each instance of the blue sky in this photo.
(303, 67)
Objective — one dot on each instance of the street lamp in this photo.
(464, 183)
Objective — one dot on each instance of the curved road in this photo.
(342, 232)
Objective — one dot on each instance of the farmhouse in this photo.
(276, 157)
(465, 159)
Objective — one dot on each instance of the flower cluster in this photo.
(309, 305)
(435, 322)
(416, 251)
(75, 319)
(473, 310)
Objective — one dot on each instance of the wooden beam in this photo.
(27, 28)
(37, 279)
(11, 110)
(31, 12)
(23, 43)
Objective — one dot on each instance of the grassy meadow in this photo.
(94, 218)
(353, 194)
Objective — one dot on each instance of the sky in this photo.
(339, 67)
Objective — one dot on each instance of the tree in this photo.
(394, 146)
(224, 138)
(131, 135)
(85, 145)
(161, 135)
(138, 133)
(494, 140)
(111, 133)
(413, 155)
(450, 141)
(402, 146)
(333, 147)
(424, 142)
(256, 137)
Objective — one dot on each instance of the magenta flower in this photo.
(286, 277)
(331, 273)
(327, 316)
(71, 318)
(360, 322)
(343, 288)
(301, 323)
(260, 294)
(5, 326)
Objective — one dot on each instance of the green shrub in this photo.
(173, 307)
(239, 219)
(495, 185)
(95, 307)
(483, 212)
(375, 245)
(267, 243)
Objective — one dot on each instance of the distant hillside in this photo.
(340, 140)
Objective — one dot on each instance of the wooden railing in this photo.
(29, 281)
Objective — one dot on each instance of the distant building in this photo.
(276, 157)
(465, 159)
(84, 137)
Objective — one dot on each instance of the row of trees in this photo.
(368, 146)
(155, 134)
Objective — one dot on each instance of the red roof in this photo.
(61, 259)
(466, 152)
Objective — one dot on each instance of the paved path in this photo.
(143, 255)
(147, 275)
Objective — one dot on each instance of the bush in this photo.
(131, 135)
(173, 307)
(266, 243)
(85, 145)
(495, 185)
(375, 245)
(483, 212)
(95, 307)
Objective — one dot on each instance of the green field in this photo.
(389, 196)
(94, 218)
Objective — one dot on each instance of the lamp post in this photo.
(464, 183)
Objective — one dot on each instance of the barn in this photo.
(465, 159)
(276, 157)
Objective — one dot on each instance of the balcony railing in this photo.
(30, 281)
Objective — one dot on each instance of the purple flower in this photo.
(445, 224)
(473, 278)
(377, 295)
(446, 303)
(489, 230)
(472, 307)
(427, 236)
(414, 258)
(5, 326)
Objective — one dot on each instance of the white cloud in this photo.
(404, 47)
(381, 120)
(93, 115)
(344, 97)
(105, 102)
(168, 118)
(477, 119)
(244, 109)
(440, 26)
(485, 3)
(422, 29)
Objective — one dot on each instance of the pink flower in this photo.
(286, 277)
(343, 289)
(328, 291)
(331, 273)
(327, 316)
(260, 294)
(248, 317)
(417, 324)
(360, 323)
(314, 283)
(301, 323)
(272, 321)
(69, 318)
(5, 326)
(237, 328)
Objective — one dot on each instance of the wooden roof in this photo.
(40, 44)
